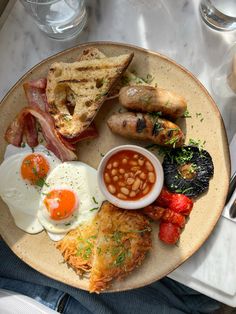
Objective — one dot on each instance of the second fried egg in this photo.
(69, 197)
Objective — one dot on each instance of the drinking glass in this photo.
(224, 77)
(59, 19)
(219, 14)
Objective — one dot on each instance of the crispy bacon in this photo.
(14, 133)
(35, 94)
(25, 123)
(30, 131)
(50, 134)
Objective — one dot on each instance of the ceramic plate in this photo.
(40, 253)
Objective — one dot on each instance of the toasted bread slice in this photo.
(127, 79)
(90, 54)
(84, 85)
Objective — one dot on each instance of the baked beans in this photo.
(136, 175)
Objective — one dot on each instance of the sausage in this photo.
(146, 127)
(150, 99)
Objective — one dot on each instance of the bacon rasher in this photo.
(53, 140)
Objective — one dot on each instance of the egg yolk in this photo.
(34, 169)
(60, 203)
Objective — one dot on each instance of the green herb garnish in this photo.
(92, 209)
(197, 143)
(120, 258)
(187, 114)
(95, 201)
(41, 182)
(172, 141)
(117, 235)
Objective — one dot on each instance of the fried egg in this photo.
(69, 198)
(23, 174)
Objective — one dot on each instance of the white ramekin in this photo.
(144, 201)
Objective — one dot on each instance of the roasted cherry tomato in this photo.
(164, 199)
(181, 204)
(169, 233)
(154, 212)
(173, 217)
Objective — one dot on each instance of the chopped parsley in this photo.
(95, 201)
(41, 182)
(22, 144)
(197, 143)
(172, 141)
(67, 117)
(117, 235)
(92, 209)
(184, 191)
(184, 156)
(187, 114)
(120, 258)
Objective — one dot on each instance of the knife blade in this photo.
(228, 212)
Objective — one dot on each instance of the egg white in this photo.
(21, 197)
(82, 180)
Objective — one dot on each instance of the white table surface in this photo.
(175, 29)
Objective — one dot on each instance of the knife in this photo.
(229, 211)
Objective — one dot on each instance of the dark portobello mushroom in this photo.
(188, 170)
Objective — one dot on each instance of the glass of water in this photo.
(219, 14)
(59, 19)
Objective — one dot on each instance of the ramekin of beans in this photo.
(130, 177)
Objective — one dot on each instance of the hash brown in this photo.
(114, 244)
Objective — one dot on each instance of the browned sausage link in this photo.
(146, 127)
(151, 99)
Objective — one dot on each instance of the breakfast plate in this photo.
(204, 124)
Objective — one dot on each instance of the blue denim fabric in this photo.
(165, 296)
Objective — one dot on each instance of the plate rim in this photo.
(214, 106)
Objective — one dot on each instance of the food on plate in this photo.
(169, 233)
(15, 131)
(70, 197)
(129, 175)
(166, 214)
(147, 127)
(78, 246)
(23, 173)
(75, 91)
(118, 245)
(46, 189)
(128, 78)
(188, 170)
(152, 99)
(171, 209)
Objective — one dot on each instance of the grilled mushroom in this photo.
(188, 170)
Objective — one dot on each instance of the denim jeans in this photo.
(164, 296)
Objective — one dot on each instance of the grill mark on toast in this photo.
(93, 68)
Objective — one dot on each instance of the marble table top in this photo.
(173, 28)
